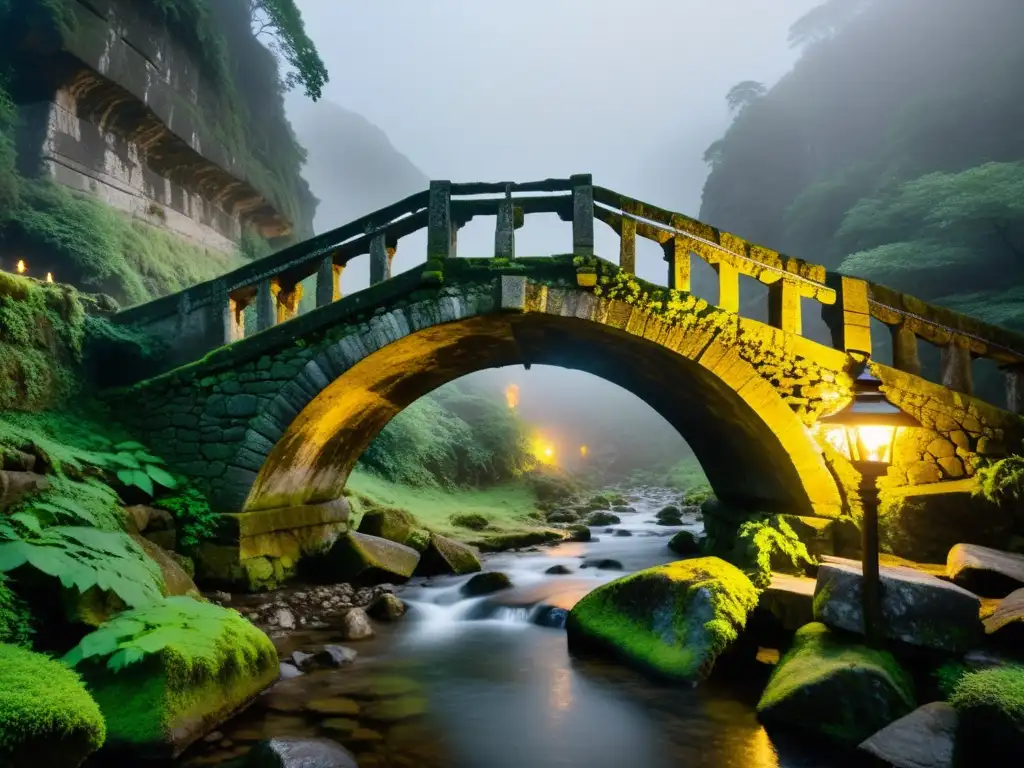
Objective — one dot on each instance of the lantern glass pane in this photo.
(837, 438)
(874, 443)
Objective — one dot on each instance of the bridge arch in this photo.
(702, 375)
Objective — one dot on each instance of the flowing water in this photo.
(487, 682)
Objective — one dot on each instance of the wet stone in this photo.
(333, 706)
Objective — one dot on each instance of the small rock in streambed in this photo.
(486, 583)
(387, 607)
(579, 533)
(299, 753)
(602, 518)
(355, 625)
(606, 564)
(288, 671)
(558, 570)
(284, 619)
(684, 543)
(622, 532)
(552, 617)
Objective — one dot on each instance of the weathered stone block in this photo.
(916, 608)
(985, 571)
(242, 406)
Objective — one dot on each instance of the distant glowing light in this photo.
(21, 267)
(549, 452)
(584, 450)
(512, 395)
(49, 277)
(543, 451)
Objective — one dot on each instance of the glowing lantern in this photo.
(584, 451)
(512, 395)
(21, 267)
(865, 432)
(49, 277)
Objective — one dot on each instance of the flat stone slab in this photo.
(1010, 610)
(922, 739)
(916, 608)
(985, 571)
(790, 599)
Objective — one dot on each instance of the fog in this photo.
(474, 90)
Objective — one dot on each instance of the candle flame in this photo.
(512, 395)
(21, 267)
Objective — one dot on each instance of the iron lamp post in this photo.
(865, 432)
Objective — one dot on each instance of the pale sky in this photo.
(473, 90)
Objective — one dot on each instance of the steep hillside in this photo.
(892, 151)
(352, 167)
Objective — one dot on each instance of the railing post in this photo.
(380, 265)
(266, 303)
(440, 232)
(328, 281)
(627, 245)
(391, 248)
(677, 254)
(849, 319)
(582, 214)
(784, 311)
(728, 286)
(1015, 388)
(505, 229)
(955, 366)
(288, 302)
(905, 356)
(234, 319)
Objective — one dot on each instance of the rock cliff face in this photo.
(352, 168)
(117, 102)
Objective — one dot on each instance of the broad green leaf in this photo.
(12, 555)
(141, 480)
(129, 445)
(31, 522)
(162, 477)
(149, 458)
(126, 476)
(125, 460)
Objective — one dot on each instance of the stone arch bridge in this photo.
(271, 419)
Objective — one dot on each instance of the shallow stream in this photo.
(487, 682)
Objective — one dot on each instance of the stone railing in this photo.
(210, 315)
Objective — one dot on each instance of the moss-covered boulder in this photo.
(47, 718)
(684, 543)
(990, 705)
(168, 674)
(836, 689)
(388, 523)
(602, 518)
(486, 583)
(673, 620)
(444, 555)
(370, 559)
(517, 540)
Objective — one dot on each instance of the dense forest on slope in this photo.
(892, 151)
(251, 53)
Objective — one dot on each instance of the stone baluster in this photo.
(440, 232)
(905, 346)
(582, 214)
(1015, 388)
(234, 319)
(728, 286)
(955, 366)
(328, 281)
(380, 264)
(505, 229)
(266, 303)
(849, 319)
(784, 310)
(627, 245)
(288, 298)
(677, 254)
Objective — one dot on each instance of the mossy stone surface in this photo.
(47, 717)
(444, 555)
(684, 543)
(388, 523)
(370, 558)
(837, 689)
(990, 704)
(672, 620)
(155, 708)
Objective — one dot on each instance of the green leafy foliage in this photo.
(1002, 480)
(196, 521)
(131, 636)
(758, 541)
(454, 437)
(280, 22)
(15, 617)
(82, 558)
(743, 94)
(823, 21)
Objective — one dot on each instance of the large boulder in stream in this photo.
(445, 556)
(673, 620)
(837, 689)
(370, 559)
(394, 525)
(193, 666)
(299, 753)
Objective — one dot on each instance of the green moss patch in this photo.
(673, 620)
(164, 674)
(841, 691)
(15, 618)
(367, 558)
(990, 704)
(444, 555)
(46, 716)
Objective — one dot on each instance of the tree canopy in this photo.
(279, 24)
(744, 93)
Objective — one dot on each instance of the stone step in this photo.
(984, 570)
(917, 607)
(789, 599)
